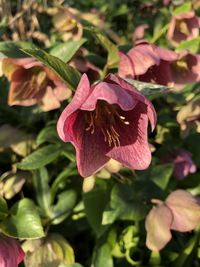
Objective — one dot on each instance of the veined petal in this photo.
(143, 58)
(111, 78)
(90, 148)
(157, 224)
(185, 209)
(111, 93)
(134, 151)
(126, 66)
(81, 94)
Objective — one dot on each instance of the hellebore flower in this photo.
(107, 120)
(66, 23)
(82, 64)
(189, 117)
(148, 63)
(11, 253)
(180, 212)
(182, 27)
(183, 164)
(185, 69)
(32, 83)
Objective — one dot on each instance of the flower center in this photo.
(183, 27)
(180, 66)
(106, 117)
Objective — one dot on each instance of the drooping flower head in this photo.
(185, 69)
(11, 253)
(107, 120)
(148, 63)
(179, 212)
(184, 26)
(33, 83)
(189, 117)
(67, 24)
(182, 162)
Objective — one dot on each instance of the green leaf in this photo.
(148, 89)
(66, 51)
(186, 256)
(191, 45)
(123, 206)
(23, 221)
(68, 74)
(64, 206)
(12, 49)
(40, 158)
(48, 134)
(113, 52)
(94, 203)
(160, 174)
(43, 195)
(3, 208)
(186, 7)
(103, 256)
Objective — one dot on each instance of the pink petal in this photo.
(134, 150)
(90, 148)
(157, 225)
(136, 95)
(11, 253)
(49, 100)
(81, 94)
(185, 209)
(143, 57)
(126, 66)
(112, 94)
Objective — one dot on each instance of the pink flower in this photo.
(184, 26)
(183, 164)
(107, 120)
(185, 69)
(32, 83)
(11, 253)
(139, 32)
(180, 212)
(82, 64)
(148, 63)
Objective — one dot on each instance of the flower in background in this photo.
(11, 253)
(185, 69)
(139, 32)
(180, 212)
(148, 63)
(189, 117)
(82, 64)
(33, 83)
(107, 120)
(183, 164)
(66, 23)
(182, 27)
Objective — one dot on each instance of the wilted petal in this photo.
(185, 209)
(49, 100)
(157, 224)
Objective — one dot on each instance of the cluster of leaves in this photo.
(42, 201)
